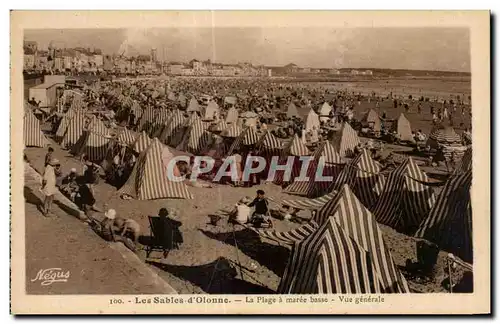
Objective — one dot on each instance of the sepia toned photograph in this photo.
(234, 166)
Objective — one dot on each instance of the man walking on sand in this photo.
(49, 186)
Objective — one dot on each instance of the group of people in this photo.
(76, 187)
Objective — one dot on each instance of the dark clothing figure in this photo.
(260, 206)
(172, 236)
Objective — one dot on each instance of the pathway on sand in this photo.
(95, 266)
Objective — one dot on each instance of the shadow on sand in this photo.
(217, 277)
(271, 256)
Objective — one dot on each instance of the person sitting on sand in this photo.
(241, 211)
(260, 213)
(69, 185)
(128, 228)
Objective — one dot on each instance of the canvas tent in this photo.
(33, 135)
(326, 162)
(292, 111)
(75, 130)
(372, 120)
(347, 254)
(232, 115)
(346, 142)
(402, 128)
(324, 112)
(141, 143)
(363, 176)
(212, 111)
(405, 200)
(172, 130)
(93, 142)
(295, 149)
(193, 105)
(312, 121)
(449, 223)
(149, 178)
(196, 138)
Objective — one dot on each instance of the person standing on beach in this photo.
(49, 185)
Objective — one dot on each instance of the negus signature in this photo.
(51, 275)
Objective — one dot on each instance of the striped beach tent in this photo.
(248, 137)
(173, 131)
(449, 223)
(405, 200)
(75, 130)
(291, 237)
(309, 203)
(372, 119)
(292, 111)
(347, 141)
(94, 142)
(232, 115)
(219, 126)
(64, 124)
(443, 136)
(295, 149)
(193, 105)
(233, 131)
(363, 176)
(465, 163)
(326, 162)
(33, 135)
(126, 137)
(196, 138)
(141, 143)
(149, 178)
(329, 262)
(402, 128)
(161, 116)
(147, 120)
(269, 144)
(360, 225)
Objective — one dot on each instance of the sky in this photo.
(430, 48)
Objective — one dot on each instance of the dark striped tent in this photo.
(363, 176)
(347, 141)
(329, 262)
(267, 147)
(173, 131)
(309, 203)
(449, 223)
(291, 237)
(75, 131)
(248, 137)
(326, 162)
(147, 120)
(126, 137)
(141, 143)
(294, 150)
(197, 139)
(33, 135)
(360, 225)
(93, 142)
(465, 163)
(405, 200)
(149, 179)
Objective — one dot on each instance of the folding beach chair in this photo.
(161, 238)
